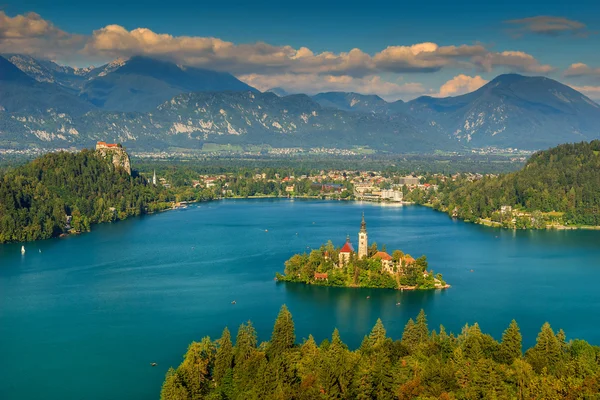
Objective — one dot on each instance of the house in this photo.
(289, 189)
(387, 263)
(320, 276)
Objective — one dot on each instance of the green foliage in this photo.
(556, 186)
(424, 365)
(37, 198)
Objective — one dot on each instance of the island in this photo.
(370, 267)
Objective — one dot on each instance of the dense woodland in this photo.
(367, 272)
(423, 364)
(557, 185)
(37, 198)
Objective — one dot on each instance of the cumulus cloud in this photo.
(548, 25)
(461, 84)
(581, 69)
(423, 57)
(516, 61)
(31, 34)
(315, 83)
(264, 65)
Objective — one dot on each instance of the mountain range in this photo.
(156, 104)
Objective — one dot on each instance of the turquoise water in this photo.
(84, 318)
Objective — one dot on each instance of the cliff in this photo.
(116, 155)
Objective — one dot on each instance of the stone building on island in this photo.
(388, 264)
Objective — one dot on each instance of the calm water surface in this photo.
(83, 318)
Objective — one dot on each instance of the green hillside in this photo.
(560, 185)
(35, 199)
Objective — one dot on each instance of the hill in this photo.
(560, 186)
(141, 84)
(59, 192)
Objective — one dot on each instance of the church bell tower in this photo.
(362, 239)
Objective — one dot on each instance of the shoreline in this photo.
(401, 289)
(402, 203)
(493, 224)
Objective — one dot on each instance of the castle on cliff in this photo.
(116, 154)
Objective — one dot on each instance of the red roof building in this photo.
(347, 248)
(382, 255)
(320, 276)
(104, 145)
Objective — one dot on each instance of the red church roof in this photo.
(347, 248)
(382, 255)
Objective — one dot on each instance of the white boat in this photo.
(22, 249)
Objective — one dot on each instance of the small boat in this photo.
(398, 303)
(471, 270)
(40, 250)
(22, 249)
(153, 364)
(368, 297)
(233, 302)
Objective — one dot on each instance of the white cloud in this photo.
(581, 69)
(461, 84)
(315, 83)
(31, 34)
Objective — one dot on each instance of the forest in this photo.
(422, 364)
(68, 192)
(557, 186)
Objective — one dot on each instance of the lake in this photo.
(83, 317)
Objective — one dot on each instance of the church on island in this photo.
(368, 267)
(387, 261)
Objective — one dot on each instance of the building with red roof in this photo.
(104, 145)
(387, 263)
(345, 253)
(321, 276)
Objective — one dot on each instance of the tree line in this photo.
(423, 364)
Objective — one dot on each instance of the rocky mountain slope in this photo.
(156, 104)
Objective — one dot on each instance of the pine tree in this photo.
(245, 342)
(378, 333)
(283, 337)
(547, 350)
(172, 388)
(510, 348)
(410, 336)
(224, 357)
(421, 329)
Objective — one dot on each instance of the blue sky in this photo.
(559, 35)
